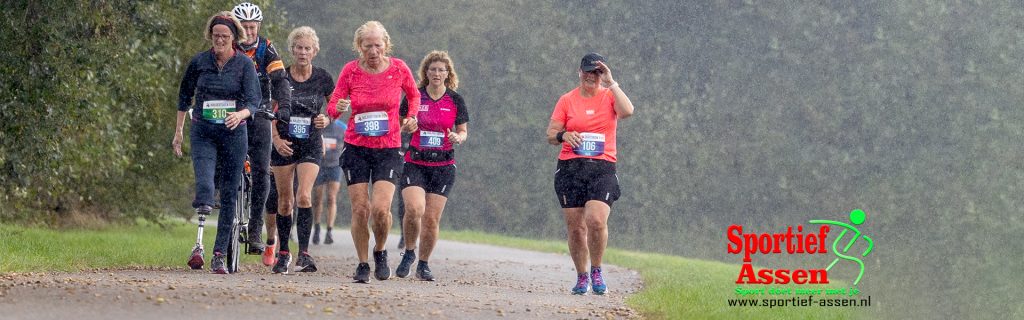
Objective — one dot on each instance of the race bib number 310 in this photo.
(216, 110)
(372, 124)
(592, 144)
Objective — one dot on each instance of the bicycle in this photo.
(239, 234)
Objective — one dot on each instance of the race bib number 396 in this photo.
(372, 124)
(216, 110)
(298, 127)
(592, 144)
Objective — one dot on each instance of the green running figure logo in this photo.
(856, 217)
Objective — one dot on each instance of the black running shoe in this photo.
(408, 257)
(316, 236)
(305, 263)
(327, 237)
(362, 273)
(380, 265)
(423, 271)
(283, 260)
(217, 265)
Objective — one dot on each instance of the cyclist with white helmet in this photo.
(274, 89)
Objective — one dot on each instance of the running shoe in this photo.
(423, 271)
(598, 281)
(256, 246)
(196, 260)
(581, 284)
(217, 265)
(268, 255)
(327, 237)
(316, 236)
(362, 273)
(283, 260)
(380, 265)
(408, 257)
(305, 263)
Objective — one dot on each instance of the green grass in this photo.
(144, 245)
(674, 287)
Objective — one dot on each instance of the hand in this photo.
(235, 118)
(454, 137)
(321, 121)
(176, 143)
(573, 138)
(283, 147)
(343, 105)
(409, 124)
(606, 76)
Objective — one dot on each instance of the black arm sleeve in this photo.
(403, 109)
(282, 92)
(187, 88)
(461, 114)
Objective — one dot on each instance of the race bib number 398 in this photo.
(216, 110)
(372, 124)
(592, 144)
(431, 139)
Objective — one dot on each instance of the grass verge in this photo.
(143, 245)
(676, 287)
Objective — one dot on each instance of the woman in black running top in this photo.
(298, 146)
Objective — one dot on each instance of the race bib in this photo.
(298, 127)
(431, 139)
(330, 143)
(216, 110)
(372, 124)
(592, 144)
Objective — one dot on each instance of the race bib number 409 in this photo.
(372, 124)
(216, 110)
(592, 144)
(431, 139)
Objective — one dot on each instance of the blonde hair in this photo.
(365, 29)
(452, 82)
(304, 32)
(239, 32)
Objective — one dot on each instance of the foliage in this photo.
(93, 90)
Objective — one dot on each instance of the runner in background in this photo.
(328, 182)
(373, 85)
(429, 172)
(275, 92)
(584, 125)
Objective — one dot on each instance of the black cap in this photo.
(589, 62)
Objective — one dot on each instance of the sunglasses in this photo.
(596, 71)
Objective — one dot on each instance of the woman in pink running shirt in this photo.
(430, 162)
(372, 87)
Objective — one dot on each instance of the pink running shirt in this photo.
(595, 118)
(374, 121)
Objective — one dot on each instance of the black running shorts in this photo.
(437, 180)
(365, 165)
(580, 180)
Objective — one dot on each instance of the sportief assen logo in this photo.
(812, 243)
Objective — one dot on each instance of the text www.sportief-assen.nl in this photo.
(808, 301)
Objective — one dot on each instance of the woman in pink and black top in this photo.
(430, 162)
(372, 86)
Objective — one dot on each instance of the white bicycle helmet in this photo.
(247, 12)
